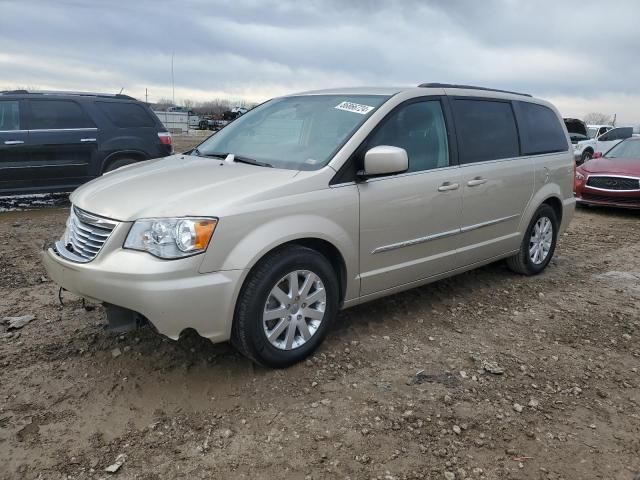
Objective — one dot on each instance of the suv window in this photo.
(126, 115)
(420, 129)
(486, 130)
(9, 115)
(540, 130)
(57, 114)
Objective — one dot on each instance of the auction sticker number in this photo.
(354, 107)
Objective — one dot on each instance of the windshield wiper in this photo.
(212, 154)
(236, 158)
(251, 161)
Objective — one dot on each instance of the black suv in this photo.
(55, 141)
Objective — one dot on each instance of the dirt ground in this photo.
(567, 405)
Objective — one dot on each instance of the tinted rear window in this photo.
(126, 115)
(57, 114)
(486, 130)
(540, 129)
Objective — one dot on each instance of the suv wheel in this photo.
(286, 307)
(121, 162)
(538, 244)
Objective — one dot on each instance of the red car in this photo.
(612, 179)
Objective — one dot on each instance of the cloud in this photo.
(579, 52)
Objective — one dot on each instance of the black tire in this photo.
(248, 334)
(521, 262)
(586, 156)
(121, 162)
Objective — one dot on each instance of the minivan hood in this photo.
(179, 185)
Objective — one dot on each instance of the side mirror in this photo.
(597, 155)
(385, 160)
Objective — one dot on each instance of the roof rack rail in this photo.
(62, 92)
(469, 87)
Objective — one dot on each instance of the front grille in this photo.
(619, 200)
(85, 235)
(614, 183)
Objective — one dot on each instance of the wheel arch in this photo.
(556, 204)
(320, 245)
(550, 195)
(136, 155)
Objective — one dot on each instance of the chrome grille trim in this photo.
(85, 235)
(613, 183)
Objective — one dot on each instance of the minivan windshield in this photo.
(297, 133)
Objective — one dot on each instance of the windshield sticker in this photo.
(354, 107)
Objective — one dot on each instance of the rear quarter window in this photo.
(540, 129)
(126, 115)
(486, 130)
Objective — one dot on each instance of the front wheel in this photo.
(586, 156)
(538, 244)
(286, 307)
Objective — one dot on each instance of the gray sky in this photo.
(582, 55)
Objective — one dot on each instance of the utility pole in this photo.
(146, 96)
(173, 86)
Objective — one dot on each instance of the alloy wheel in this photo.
(540, 240)
(294, 309)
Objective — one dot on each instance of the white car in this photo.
(604, 138)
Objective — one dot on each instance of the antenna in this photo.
(173, 86)
(121, 90)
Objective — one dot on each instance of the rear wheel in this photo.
(286, 307)
(538, 244)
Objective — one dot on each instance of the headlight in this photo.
(171, 237)
(579, 176)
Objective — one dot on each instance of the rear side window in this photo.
(126, 115)
(486, 130)
(540, 129)
(9, 115)
(58, 114)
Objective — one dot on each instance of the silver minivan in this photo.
(315, 202)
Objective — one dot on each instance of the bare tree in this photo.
(163, 104)
(597, 118)
(188, 103)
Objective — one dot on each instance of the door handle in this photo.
(476, 181)
(446, 186)
(13, 142)
(87, 139)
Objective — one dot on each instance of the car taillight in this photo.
(165, 139)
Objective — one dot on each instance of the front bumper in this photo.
(171, 294)
(632, 203)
